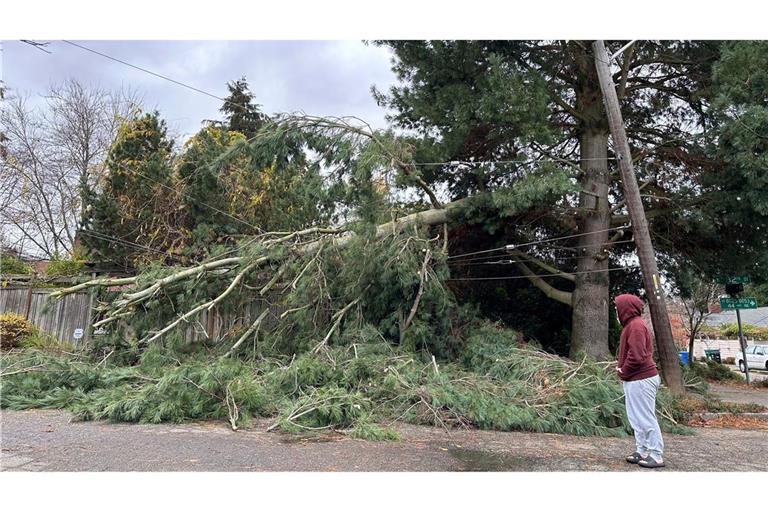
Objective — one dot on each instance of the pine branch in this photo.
(549, 290)
(205, 306)
(541, 264)
(252, 330)
(414, 308)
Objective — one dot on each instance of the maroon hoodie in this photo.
(635, 345)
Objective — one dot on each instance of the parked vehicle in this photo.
(757, 358)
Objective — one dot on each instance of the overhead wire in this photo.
(535, 242)
(558, 274)
(121, 241)
(610, 244)
(153, 73)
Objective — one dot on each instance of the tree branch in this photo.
(253, 329)
(628, 53)
(541, 264)
(422, 280)
(549, 290)
(205, 306)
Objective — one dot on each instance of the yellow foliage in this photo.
(14, 328)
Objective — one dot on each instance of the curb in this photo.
(707, 416)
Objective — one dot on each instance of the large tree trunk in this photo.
(589, 331)
(590, 297)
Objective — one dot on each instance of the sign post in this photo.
(743, 346)
(738, 304)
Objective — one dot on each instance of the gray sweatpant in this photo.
(640, 398)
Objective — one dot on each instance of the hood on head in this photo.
(628, 307)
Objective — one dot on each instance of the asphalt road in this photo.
(39, 440)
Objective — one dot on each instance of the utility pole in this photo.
(662, 329)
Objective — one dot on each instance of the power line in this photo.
(122, 241)
(614, 269)
(520, 162)
(419, 164)
(36, 44)
(177, 83)
(454, 162)
(472, 260)
(536, 242)
(158, 75)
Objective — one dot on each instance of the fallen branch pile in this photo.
(359, 389)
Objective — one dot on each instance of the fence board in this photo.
(61, 317)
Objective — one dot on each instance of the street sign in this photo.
(739, 303)
(733, 280)
(78, 333)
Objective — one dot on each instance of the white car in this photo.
(757, 358)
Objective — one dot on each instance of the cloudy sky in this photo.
(318, 77)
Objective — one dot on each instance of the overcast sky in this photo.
(318, 77)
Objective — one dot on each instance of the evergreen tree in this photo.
(524, 100)
(206, 205)
(132, 217)
(736, 191)
(241, 113)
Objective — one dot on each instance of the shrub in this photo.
(750, 331)
(44, 341)
(729, 360)
(12, 265)
(61, 267)
(13, 328)
(714, 371)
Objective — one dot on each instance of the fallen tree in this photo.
(277, 252)
(361, 389)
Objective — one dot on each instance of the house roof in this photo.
(757, 317)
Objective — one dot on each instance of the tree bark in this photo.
(589, 331)
(690, 349)
(589, 334)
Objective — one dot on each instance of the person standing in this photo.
(641, 382)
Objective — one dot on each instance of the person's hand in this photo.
(618, 370)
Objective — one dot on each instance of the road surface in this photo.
(40, 440)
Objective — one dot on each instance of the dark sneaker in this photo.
(634, 458)
(650, 462)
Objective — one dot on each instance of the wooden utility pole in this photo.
(662, 329)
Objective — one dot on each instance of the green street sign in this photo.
(740, 303)
(733, 280)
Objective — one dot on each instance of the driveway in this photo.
(39, 440)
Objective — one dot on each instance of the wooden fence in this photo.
(66, 318)
(69, 318)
